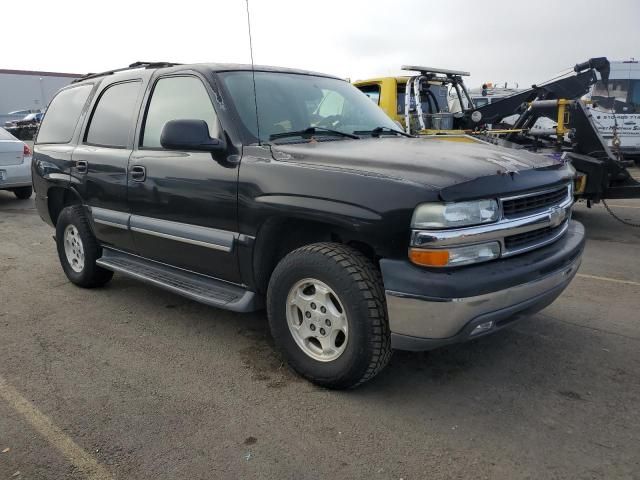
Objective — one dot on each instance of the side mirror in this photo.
(189, 135)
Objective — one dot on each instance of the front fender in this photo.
(320, 209)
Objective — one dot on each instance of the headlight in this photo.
(455, 256)
(450, 215)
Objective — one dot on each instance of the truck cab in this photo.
(427, 102)
(389, 94)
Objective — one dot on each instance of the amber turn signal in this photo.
(429, 258)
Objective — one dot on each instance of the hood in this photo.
(425, 161)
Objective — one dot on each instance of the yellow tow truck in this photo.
(432, 113)
(551, 119)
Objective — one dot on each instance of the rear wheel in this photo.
(327, 315)
(78, 249)
(23, 193)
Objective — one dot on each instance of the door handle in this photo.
(82, 166)
(138, 173)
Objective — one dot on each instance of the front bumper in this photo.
(16, 175)
(430, 308)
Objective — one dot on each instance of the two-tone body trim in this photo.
(183, 232)
(213, 238)
(111, 218)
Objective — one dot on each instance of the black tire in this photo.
(358, 284)
(23, 193)
(91, 275)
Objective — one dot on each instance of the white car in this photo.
(15, 165)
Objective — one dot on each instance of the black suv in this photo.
(304, 198)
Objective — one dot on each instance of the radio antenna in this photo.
(253, 73)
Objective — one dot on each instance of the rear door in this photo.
(56, 140)
(100, 161)
(183, 203)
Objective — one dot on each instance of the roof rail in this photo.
(130, 67)
(153, 64)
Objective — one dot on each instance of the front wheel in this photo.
(78, 249)
(327, 315)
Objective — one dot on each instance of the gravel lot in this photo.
(132, 382)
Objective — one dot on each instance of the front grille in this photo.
(528, 221)
(521, 206)
(534, 237)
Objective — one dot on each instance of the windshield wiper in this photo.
(376, 132)
(309, 132)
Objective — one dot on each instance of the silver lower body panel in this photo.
(442, 318)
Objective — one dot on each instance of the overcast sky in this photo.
(495, 40)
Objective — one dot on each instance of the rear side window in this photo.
(113, 116)
(177, 98)
(63, 114)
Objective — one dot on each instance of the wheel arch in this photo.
(59, 198)
(278, 236)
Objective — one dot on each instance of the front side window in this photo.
(63, 114)
(289, 102)
(177, 98)
(113, 116)
(613, 98)
(371, 91)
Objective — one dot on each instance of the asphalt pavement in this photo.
(132, 382)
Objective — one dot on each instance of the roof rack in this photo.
(134, 65)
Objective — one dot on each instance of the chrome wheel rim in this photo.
(73, 248)
(317, 320)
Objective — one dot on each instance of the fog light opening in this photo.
(481, 328)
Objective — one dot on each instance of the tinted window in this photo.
(63, 114)
(177, 98)
(112, 118)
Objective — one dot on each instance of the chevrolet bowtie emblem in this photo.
(556, 216)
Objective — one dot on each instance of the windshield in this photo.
(622, 96)
(290, 102)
